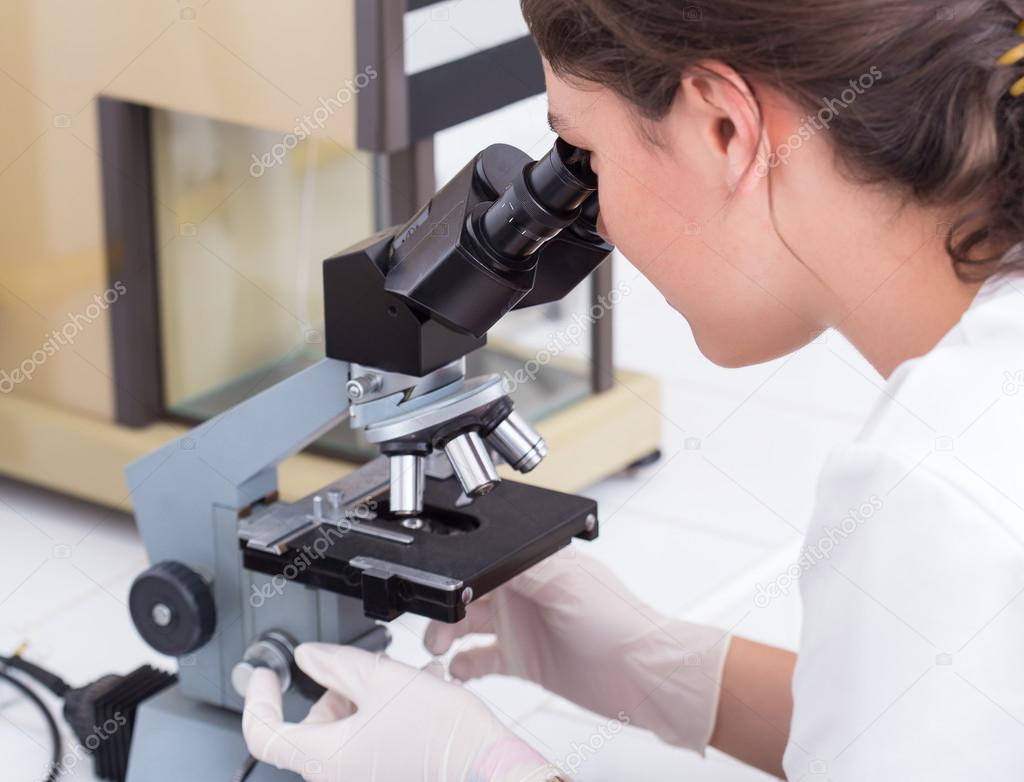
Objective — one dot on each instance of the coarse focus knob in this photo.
(172, 608)
(274, 651)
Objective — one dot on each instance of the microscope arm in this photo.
(188, 498)
(260, 432)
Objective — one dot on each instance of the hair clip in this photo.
(1012, 57)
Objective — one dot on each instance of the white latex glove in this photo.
(572, 627)
(382, 721)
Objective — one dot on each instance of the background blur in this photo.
(698, 534)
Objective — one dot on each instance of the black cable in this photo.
(49, 680)
(51, 723)
(246, 770)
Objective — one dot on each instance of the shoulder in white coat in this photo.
(914, 598)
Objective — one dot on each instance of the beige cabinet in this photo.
(171, 174)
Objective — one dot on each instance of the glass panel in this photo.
(245, 218)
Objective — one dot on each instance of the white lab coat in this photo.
(911, 661)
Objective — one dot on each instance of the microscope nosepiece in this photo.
(518, 443)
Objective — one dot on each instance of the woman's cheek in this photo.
(613, 218)
(629, 221)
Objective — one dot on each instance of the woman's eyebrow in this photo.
(557, 122)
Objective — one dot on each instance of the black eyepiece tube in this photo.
(562, 179)
(590, 211)
(540, 203)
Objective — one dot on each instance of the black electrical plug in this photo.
(102, 715)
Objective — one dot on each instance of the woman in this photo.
(853, 165)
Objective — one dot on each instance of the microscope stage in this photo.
(432, 564)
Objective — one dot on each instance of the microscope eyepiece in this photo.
(540, 203)
(562, 179)
(477, 249)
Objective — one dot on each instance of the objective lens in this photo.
(539, 204)
(518, 443)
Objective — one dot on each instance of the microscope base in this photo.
(177, 738)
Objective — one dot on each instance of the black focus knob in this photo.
(172, 608)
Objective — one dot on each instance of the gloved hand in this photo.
(572, 627)
(383, 721)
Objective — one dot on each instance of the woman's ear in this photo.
(731, 123)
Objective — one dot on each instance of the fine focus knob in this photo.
(172, 608)
(273, 650)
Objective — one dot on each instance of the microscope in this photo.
(240, 577)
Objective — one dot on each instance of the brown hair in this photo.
(937, 119)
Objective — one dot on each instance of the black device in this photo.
(506, 232)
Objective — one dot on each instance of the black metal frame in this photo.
(130, 228)
(399, 110)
